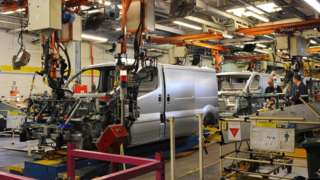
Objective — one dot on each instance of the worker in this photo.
(299, 88)
(271, 88)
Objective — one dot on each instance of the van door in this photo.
(180, 100)
(151, 103)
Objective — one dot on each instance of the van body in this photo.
(167, 91)
(235, 85)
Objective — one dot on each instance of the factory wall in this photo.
(23, 78)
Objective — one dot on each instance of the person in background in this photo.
(298, 89)
(271, 87)
(270, 101)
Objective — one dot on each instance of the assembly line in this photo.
(159, 89)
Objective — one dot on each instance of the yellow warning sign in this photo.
(266, 124)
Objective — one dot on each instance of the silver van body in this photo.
(174, 91)
(232, 85)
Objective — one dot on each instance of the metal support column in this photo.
(200, 123)
(172, 148)
(77, 55)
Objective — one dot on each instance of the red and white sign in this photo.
(234, 131)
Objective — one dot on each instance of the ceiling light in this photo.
(205, 22)
(21, 10)
(255, 10)
(228, 36)
(7, 12)
(267, 36)
(107, 3)
(84, 8)
(94, 11)
(313, 41)
(314, 4)
(191, 26)
(259, 9)
(93, 38)
(269, 7)
(257, 16)
(118, 29)
(261, 51)
(261, 45)
(119, 6)
(237, 11)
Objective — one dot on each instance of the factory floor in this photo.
(186, 165)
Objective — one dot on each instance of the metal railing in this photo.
(141, 165)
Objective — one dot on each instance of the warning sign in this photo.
(234, 131)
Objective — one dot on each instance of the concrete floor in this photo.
(186, 166)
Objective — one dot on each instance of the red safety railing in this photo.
(142, 165)
(7, 176)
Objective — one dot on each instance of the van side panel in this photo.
(180, 99)
(147, 128)
(206, 89)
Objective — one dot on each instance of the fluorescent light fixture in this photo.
(205, 22)
(239, 46)
(269, 7)
(261, 45)
(107, 3)
(266, 7)
(169, 29)
(84, 8)
(7, 12)
(191, 26)
(255, 10)
(313, 41)
(118, 29)
(90, 37)
(257, 16)
(95, 11)
(261, 51)
(228, 36)
(314, 4)
(21, 10)
(267, 36)
(119, 6)
(237, 11)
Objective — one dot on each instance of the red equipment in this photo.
(112, 135)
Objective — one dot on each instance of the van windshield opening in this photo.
(148, 80)
(95, 80)
(232, 82)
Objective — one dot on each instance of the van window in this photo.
(232, 82)
(148, 80)
(255, 84)
(94, 80)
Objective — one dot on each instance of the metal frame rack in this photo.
(278, 160)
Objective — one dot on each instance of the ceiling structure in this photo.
(179, 17)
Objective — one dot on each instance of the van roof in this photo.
(111, 64)
(241, 73)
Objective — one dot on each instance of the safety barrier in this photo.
(142, 165)
(173, 147)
